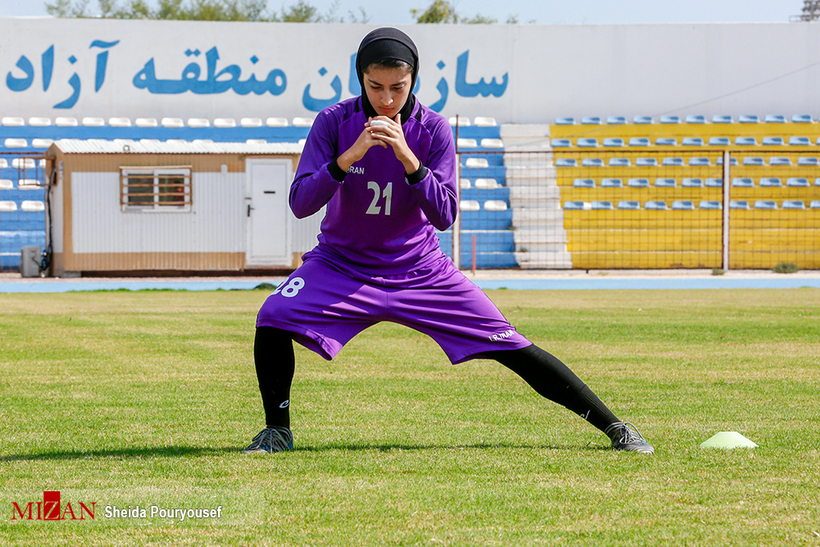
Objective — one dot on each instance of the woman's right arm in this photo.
(314, 184)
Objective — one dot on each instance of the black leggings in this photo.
(552, 379)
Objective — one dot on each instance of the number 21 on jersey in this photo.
(379, 194)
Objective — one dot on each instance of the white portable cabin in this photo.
(149, 206)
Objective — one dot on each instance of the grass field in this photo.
(144, 399)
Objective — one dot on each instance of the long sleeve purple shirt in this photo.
(376, 220)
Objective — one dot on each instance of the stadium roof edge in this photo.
(120, 146)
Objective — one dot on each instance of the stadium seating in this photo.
(775, 183)
(624, 165)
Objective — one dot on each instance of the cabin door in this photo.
(267, 214)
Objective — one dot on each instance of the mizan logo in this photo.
(52, 508)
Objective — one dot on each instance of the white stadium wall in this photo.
(517, 74)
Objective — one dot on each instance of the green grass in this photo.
(146, 398)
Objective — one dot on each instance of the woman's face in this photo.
(387, 89)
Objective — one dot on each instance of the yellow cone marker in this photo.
(728, 440)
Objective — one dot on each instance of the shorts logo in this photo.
(502, 336)
(285, 404)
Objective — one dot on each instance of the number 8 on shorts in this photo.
(291, 287)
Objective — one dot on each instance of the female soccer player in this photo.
(384, 164)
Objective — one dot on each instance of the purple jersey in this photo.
(376, 220)
(378, 257)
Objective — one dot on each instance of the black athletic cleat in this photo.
(626, 437)
(271, 440)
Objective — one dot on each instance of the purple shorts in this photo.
(325, 304)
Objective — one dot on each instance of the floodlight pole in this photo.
(727, 172)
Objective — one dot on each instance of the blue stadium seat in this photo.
(699, 161)
(775, 118)
(710, 205)
(713, 183)
(746, 141)
(487, 184)
(765, 204)
(654, 205)
(739, 204)
(574, 205)
(696, 119)
(672, 162)
(484, 121)
(564, 121)
(592, 162)
(798, 182)
(629, 205)
(602, 206)
(801, 118)
(754, 160)
(583, 183)
(719, 141)
(616, 120)
(612, 183)
(750, 118)
(793, 204)
(780, 160)
(638, 183)
(619, 162)
(743, 182)
(613, 142)
(815, 204)
(773, 141)
(692, 141)
(770, 182)
(803, 160)
(639, 141)
(223, 123)
(587, 143)
(591, 120)
(670, 119)
(646, 162)
(560, 143)
(495, 205)
(491, 143)
(13, 121)
(683, 205)
(799, 141)
(666, 141)
(665, 183)
(566, 162)
(692, 183)
(722, 119)
(642, 120)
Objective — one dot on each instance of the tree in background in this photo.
(204, 10)
(444, 11)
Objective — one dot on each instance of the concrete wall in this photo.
(514, 73)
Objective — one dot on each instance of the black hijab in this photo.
(387, 43)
